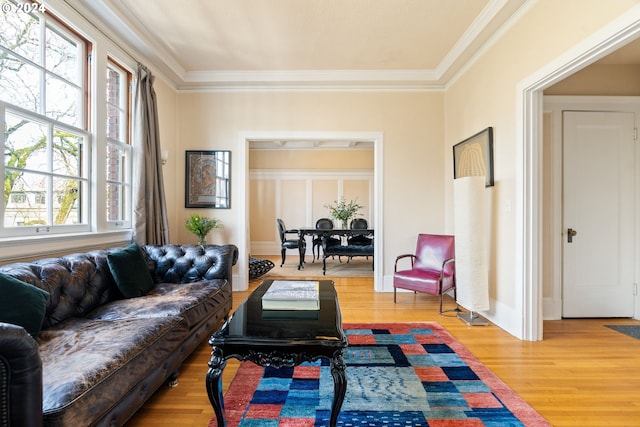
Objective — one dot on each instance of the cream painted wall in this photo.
(486, 95)
(412, 124)
(320, 159)
(601, 80)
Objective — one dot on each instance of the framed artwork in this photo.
(474, 156)
(208, 179)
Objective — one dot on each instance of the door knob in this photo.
(570, 233)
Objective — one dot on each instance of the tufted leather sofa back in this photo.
(191, 263)
(78, 283)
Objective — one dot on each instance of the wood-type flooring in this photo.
(581, 374)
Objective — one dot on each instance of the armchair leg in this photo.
(394, 295)
(283, 253)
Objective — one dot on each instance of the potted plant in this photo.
(343, 211)
(201, 226)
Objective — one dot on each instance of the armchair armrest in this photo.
(399, 257)
(444, 265)
(20, 377)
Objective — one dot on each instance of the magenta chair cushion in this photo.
(432, 251)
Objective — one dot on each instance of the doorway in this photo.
(530, 244)
(241, 175)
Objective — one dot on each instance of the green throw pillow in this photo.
(129, 269)
(22, 304)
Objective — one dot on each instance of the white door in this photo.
(599, 216)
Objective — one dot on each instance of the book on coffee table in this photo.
(292, 295)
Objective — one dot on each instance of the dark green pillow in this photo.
(22, 304)
(129, 269)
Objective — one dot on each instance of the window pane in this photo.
(19, 83)
(117, 177)
(62, 56)
(116, 104)
(67, 153)
(63, 102)
(20, 33)
(26, 144)
(116, 162)
(21, 202)
(43, 67)
(66, 208)
(116, 202)
(113, 122)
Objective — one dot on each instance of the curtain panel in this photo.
(149, 201)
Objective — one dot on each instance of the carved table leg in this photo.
(214, 384)
(338, 371)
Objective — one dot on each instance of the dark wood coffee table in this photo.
(270, 338)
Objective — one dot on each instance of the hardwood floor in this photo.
(581, 374)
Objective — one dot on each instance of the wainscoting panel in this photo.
(300, 198)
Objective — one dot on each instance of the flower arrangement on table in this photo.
(343, 211)
(201, 226)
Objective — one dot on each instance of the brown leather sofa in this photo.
(99, 356)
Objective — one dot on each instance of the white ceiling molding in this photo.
(116, 19)
(339, 144)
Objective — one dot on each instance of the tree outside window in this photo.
(43, 109)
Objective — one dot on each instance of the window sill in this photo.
(18, 249)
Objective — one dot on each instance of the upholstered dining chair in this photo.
(322, 224)
(289, 243)
(433, 269)
(359, 224)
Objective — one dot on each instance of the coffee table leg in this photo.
(214, 384)
(338, 371)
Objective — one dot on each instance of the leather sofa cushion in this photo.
(89, 364)
(193, 301)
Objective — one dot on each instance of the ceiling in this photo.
(302, 43)
(322, 44)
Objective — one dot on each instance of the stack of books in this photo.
(292, 295)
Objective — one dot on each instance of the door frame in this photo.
(241, 183)
(529, 243)
(553, 107)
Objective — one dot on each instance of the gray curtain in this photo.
(149, 202)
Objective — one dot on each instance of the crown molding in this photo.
(113, 18)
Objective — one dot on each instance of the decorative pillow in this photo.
(22, 304)
(129, 269)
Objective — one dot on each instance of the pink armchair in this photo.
(432, 267)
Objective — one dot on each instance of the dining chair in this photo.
(289, 243)
(359, 224)
(322, 224)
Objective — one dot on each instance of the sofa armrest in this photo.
(20, 378)
(191, 263)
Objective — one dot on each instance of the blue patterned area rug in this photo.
(401, 374)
